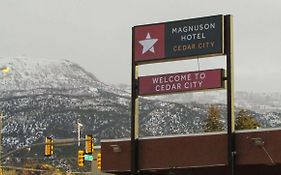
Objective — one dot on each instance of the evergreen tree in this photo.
(244, 120)
(213, 122)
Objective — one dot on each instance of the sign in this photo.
(192, 38)
(181, 82)
(88, 157)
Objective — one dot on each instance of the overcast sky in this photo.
(96, 34)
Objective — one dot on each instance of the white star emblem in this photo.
(148, 43)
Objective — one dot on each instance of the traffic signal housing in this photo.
(80, 158)
(99, 161)
(89, 145)
(49, 147)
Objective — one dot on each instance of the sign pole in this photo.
(171, 41)
(134, 113)
(230, 93)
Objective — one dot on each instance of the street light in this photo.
(1, 118)
(5, 69)
(79, 125)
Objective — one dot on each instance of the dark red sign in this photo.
(178, 39)
(181, 82)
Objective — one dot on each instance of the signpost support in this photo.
(134, 115)
(230, 90)
(171, 41)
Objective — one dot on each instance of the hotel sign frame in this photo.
(147, 46)
(178, 40)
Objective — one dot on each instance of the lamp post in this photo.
(4, 71)
(79, 125)
(1, 117)
(1, 123)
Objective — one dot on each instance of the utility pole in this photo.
(1, 118)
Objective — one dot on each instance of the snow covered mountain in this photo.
(26, 74)
(259, 102)
(40, 98)
(36, 93)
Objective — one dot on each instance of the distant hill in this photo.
(41, 97)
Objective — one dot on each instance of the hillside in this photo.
(42, 98)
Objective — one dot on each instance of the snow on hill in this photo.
(40, 98)
(35, 75)
(259, 102)
(61, 90)
(29, 73)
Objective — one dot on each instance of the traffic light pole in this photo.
(73, 141)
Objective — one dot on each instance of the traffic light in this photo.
(80, 158)
(49, 147)
(89, 145)
(99, 161)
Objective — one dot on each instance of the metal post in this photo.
(228, 26)
(92, 162)
(1, 124)
(93, 165)
(79, 125)
(134, 113)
